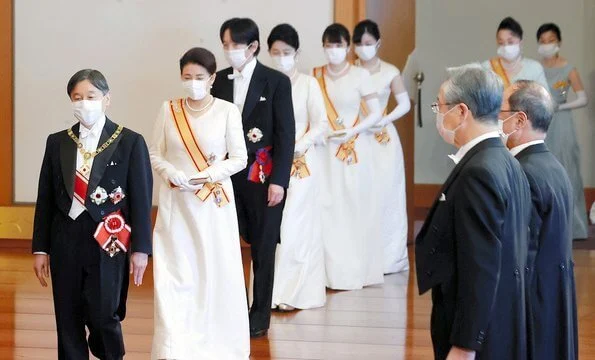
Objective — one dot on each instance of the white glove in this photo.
(321, 140)
(347, 134)
(177, 178)
(300, 149)
(376, 128)
(187, 186)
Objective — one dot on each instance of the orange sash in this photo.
(346, 151)
(499, 70)
(197, 156)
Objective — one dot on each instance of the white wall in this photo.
(137, 45)
(454, 32)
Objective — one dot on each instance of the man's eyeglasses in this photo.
(436, 107)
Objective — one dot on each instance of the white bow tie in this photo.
(454, 158)
(84, 132)
(235, 75)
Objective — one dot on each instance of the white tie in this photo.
(235, 75)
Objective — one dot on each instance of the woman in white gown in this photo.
(389, 166)
(200, 299)
(299, 261)
(352, 245)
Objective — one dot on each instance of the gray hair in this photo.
(478, 88)
(534, 100)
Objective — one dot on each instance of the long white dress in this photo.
(352, 245)
(200, 298)
(299, 261)
(389, 182)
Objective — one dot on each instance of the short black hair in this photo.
(242, 31)
(95, 77)
(365, 26)
(285, 33)
(511, 24)
(199, 56)
(549, 27)
(335, 34)
(534, 100)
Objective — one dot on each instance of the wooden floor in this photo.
(379, 322)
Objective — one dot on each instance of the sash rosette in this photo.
(262, 167)
(113, 234)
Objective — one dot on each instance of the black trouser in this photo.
(89, 290)
(260, 226)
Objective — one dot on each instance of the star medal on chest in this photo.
(99, 196)
(117, 195)
(254, 135)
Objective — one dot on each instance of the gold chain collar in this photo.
(89, 155)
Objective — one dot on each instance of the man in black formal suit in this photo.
(93, 210)
(264, 98)
(472, 248)
(527, 110)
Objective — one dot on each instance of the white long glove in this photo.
(402, 108)
(581, 100)
(186, 186)
(374, 115)
(177, 178)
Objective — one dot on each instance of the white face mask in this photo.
(196, 89)
(335, 56)
(367, 52)
(236, 58)
(284, 63)
(504, 136)
(509, 52)
(548, 50)
(447, 135)
(88, 111)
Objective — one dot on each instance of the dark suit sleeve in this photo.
(45, 207)
(479, 216)
(537, 212)
(283, 133)
(140, 192)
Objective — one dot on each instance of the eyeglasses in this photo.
(436, 107)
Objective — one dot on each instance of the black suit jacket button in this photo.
(433, 251)
(113, 182)
(527, 269)
(562, 267)
(429, 273)
(102, 212)
(516, 272)
(435, 228)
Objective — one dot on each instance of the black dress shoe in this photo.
(258, 333)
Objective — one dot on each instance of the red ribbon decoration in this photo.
(263, 162)
(114, 229)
